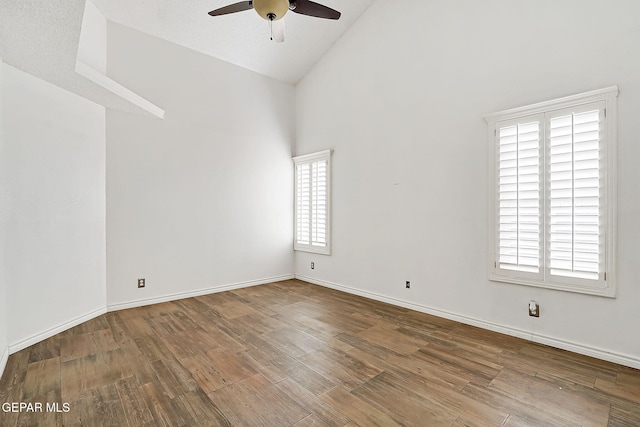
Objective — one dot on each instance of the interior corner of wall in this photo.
(4, 357)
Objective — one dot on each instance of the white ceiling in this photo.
(41, 37)
(241, 38)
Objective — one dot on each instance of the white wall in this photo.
(4, 341)
(92, 45)
(401, 99)
(54, 167)
(201, 200)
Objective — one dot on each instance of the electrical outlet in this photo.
(534, 309)
(313, 265)
(407, 284)
(141, 283)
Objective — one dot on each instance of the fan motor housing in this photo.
(271, 10)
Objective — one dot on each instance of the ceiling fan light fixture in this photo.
(271, 10)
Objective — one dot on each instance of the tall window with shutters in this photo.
(312, 202)
(552, 218)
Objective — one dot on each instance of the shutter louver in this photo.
(318, 209)
(303, 203)
(519, 197)
(574, 192)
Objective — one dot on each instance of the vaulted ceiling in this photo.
(241, 38)
(41, 37)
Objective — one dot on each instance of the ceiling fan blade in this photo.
(309, 8)
(277, 30)
(232, 8)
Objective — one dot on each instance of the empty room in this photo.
(418, 213)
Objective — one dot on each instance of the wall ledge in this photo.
(118, 90)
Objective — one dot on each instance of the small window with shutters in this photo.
(312, 202)
(553, 190)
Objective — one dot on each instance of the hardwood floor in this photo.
(291, 353)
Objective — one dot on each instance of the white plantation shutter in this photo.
(312, 202)
(553, 215)
(318, 208)
(575, 231)
(303, 203)
(519, 197)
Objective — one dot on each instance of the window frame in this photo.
(606, 285)
(324, 155)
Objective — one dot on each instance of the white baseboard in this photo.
(34, 339)
(5, 356)
(621, 359)
(199, 292)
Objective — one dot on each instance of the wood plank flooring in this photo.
(296, 354)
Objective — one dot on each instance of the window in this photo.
(312, 202)
(553, 194)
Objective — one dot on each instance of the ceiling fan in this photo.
(274, 10)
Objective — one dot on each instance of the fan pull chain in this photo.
(271, 17)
